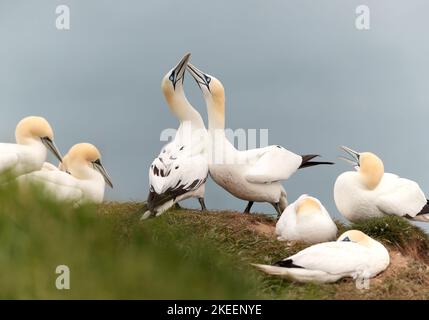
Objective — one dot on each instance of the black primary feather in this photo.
(288, 263)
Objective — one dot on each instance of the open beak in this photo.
(179, 70)
(100, 168)
(200, 77)
(50, 145)
(353, 154)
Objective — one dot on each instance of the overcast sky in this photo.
(302, 71)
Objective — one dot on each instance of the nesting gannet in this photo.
(252, 175)
(33, 136)
(306, 220)
(83, 177)
(354, 255)
(181, 169)
(370, 192)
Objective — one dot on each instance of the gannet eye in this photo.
(208, 79)
(347, 239)
(171, 76)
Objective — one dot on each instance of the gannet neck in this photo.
(216, 114)
(371, 169)
(181, 107)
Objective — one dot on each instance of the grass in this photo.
(183, 254)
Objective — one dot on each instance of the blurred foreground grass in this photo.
(181, 255)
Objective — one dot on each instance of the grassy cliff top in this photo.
(182, 254)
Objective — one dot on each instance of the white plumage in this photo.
(354, 255)
(33, 136)
(83, 178)
(180, 171)
(369, 192)
(306, 220)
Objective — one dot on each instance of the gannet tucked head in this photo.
(83, 156)
(356, 236)
(173, 80)
(213, 91)
(307, 205)
(32, 129)
(369, 166)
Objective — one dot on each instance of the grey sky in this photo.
(299, 69)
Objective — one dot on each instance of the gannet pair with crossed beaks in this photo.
(80, 177)
(181, 169)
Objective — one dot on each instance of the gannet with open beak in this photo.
(306, 220)
(80, 178)
(252, 175)
(354, 255)
(34, 136)
(181, 169)
(370, 192)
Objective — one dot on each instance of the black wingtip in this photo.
(288, 263)
(424, 210)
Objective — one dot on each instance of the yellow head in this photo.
(85, 155)
(371, 169)
(356, 236)
(33, 128)
(214, 94)
(369, 166)
(173, 81)
(83, 152)
(308, 205)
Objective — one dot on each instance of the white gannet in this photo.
(354, 255)
(33, 137)
(306, 220)
(370, 192)
(181, 169)
(83, 177)
(252, 175)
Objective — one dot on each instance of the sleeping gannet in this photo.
(306, 220)
(252, 175)
(181, 169)
(80, 178)
(370, 192)
(354, 255)
(33, 136)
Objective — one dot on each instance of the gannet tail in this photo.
(423, 215)
(298, 274)
(307, 163)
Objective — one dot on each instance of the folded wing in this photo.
(274, 163)
(400, 197)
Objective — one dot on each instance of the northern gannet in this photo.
(252, 175)
(181, 169)
(370, 192)
(306, 220)
(33, 137)
(80, 178)
(354, 255)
